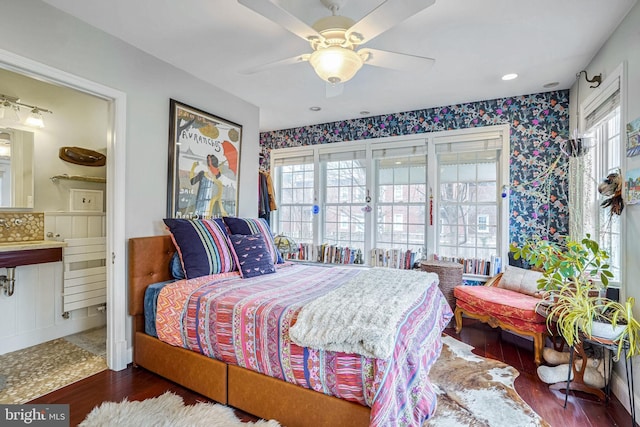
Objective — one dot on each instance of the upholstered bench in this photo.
(507, 301)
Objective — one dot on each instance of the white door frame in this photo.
(117, 356)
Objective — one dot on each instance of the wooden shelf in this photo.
(478, 277)
(97, 179)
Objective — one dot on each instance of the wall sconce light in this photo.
(35, 119)
(9, 112)
(10, 107)
(596, 80)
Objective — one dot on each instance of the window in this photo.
(601, 156)
(401, 188)
(483, 223)
(601, 160)
(343, 178)
(294, 179)
(469, 174)
(398, 195)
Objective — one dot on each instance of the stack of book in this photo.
(476, 266)
(332, 254)
(392, 258)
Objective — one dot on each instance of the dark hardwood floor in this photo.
(582, 411)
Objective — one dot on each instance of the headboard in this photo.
(148, 263)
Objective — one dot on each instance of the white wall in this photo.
(623, 47)
(42, 33)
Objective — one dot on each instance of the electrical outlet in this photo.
(86, 200)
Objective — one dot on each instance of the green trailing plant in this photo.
(572, 312)
(622, 314)
(571, 270)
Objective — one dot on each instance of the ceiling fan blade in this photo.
(273, 12)
(396, 61)
(385, 16)
(287, 61)
(334, 90)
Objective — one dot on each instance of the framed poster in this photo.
(204, 164)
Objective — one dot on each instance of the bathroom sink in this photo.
(30, 244)
(13, 254)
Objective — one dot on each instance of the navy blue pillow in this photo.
(254, 226)
(251, 255)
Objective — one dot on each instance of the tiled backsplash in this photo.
(21, 226)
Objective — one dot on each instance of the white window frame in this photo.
(431, 140)
(615, 81)
(474, 134)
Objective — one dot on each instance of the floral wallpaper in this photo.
(538, 170)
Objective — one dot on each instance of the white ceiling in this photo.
(474, 44)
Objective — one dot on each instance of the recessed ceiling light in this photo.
(365, 112)
(550, 85)
(510, 76)
(315, 108)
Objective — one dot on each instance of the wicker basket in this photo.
(450, 274)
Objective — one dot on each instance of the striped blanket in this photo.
(246, 322)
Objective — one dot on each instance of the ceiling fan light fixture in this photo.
(335, 64)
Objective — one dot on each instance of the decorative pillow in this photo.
(254, 226)
(175, 266)
(202, 246)
(251, 255)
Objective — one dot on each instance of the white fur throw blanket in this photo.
(362, 315)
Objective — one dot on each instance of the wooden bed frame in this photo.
(257, 394)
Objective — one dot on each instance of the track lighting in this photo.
(10, 109)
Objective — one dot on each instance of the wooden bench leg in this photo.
(538, 346)
(458, 316)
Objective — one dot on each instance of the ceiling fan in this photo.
(335, 39)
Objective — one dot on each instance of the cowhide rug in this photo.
(472, 391)
(476, 391)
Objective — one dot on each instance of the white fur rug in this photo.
(167, 410)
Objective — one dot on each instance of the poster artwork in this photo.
(207, 160)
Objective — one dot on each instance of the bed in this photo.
(227, 383)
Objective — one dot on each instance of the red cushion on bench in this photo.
(500, 302)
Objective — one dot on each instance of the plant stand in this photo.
(578, 383)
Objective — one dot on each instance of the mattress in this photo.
(245, 322)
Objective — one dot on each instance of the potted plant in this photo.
(575, 274)
(570, 262)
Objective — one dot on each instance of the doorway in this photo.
(117, 352)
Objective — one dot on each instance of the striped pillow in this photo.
(248, 226)
(202, 245)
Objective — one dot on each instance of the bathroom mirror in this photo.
(16, 168)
